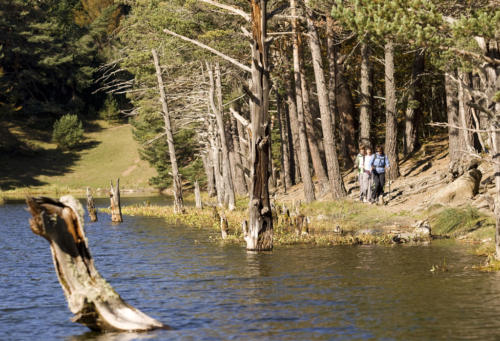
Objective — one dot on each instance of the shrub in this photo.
(68, 132)
(110, 110)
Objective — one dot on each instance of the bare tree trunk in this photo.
(209, 171)
(216, 88)
(116, 208)
(335, 178)
(304, 158)
(259, 235)
(312, 136)
(214, 147)
(391, 128)
(464, 110)
(245, 152)
(237, 169)
(286, 179)
(365, 113)
(197, 195)
(414, 109)
(91, 207)
(294, 128)
(456, 143)
(347, 114)
(332, 70)
(178, 201)
(90, 298)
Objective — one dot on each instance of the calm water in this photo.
(211, 292)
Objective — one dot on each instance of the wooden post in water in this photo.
(91, 299)
(197, 195)
(116, 208)
(91, 207)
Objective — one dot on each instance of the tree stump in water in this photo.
(90, 298)
(91, 207)
(116, 208)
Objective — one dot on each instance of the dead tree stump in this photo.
(197, 195)
(224, 226)
(116, 208)
(91, 207)
(90, 298)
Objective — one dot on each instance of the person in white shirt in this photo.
(366, 179)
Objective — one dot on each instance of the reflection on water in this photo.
(211, 292)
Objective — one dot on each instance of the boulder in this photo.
(463, 188)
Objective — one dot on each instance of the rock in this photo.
(463, 188)
(422, 229)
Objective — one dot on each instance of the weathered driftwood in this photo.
(116, 208)
(197, 195)
(90, 298)
(91, 207)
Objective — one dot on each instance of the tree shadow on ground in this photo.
(21, 167)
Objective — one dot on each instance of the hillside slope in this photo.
(109, 152)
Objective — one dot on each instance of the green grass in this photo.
(456, 222)
(110, 152)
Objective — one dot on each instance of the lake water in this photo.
(207, 291)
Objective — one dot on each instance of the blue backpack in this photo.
(379, 161)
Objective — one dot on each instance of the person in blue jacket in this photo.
(379, 164)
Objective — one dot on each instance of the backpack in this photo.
(379, 161)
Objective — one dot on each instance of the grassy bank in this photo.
(109, 152)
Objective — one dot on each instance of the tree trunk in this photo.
(245, 152)
(197, 195)
(237, 169)
(90, 298)
(365, 113)
(414, 110)
(216, 88)
(259, 235)
(294, 128)
(347, 114)
(455, 145)
(305, 172)
(116, 208)
(209, 171)
(332, 70)
(464, 110)
(178, 201)
(312, 136)
(286, 169)
(214, 146)
(91, 207)
(335, 178)
(391, 128)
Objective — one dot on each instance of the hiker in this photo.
(360, 158)
(379, 164)
(366, 179)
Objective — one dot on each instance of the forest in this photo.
(245, 96)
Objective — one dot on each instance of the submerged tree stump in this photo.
(90, 298)
(116, 208)
(91, 206)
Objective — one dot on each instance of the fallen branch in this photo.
(90, 298)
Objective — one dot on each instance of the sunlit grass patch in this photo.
(455, 222)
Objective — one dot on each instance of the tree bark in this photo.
(259, 235)
(305, 172)
(91, 207)
(334, 176)
(216, 88)
(365, 113)
(414, 110)
(347, 114)
(331, 54)
(455, 144)
(295, 146)
(312, 136)
(178, 200)
(391, 128)
(197, 195)
(116, 208)
(214, 147)
(209, 171)
(237, 170)
(90, 298)
(286, 169)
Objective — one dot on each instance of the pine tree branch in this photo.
(208, 48)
